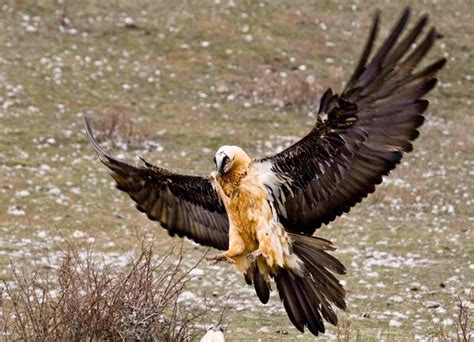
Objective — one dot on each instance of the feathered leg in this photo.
(236, 248)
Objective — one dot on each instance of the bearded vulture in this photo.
(262, 212)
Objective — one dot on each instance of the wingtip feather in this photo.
(90, 135)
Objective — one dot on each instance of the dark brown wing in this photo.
(184, 205)
(359, 136)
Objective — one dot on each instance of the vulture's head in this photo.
(231, 159)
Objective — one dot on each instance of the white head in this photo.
(229, 158)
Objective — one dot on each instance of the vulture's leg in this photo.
(236, 248)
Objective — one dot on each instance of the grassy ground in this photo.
(172, 81)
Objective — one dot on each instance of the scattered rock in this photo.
(130, 23)
(78, 234)
(196, 272)
(222, 88)
(16, 211)
(394, 323)
(431, 305)
(282, 332)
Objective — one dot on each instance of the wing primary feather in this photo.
(375, 64)
(110, 160)
(369, 45)
(406, 43)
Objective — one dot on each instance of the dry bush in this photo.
(462, 329)
(118, 123)
(296, 89)
(85, 299)
(346, 333)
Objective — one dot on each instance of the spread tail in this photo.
(307, 299)
(308, 293)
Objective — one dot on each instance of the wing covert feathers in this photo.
(360, 135)
(184, 205)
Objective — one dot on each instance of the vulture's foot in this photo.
(252, 257)
(220, 257)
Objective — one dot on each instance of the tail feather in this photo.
(312, 318)
(307, 299)
(312, 251)
(247, 278)
(328, 286)
(326, 259)
(261, 286)
(290, 301)
(320, 302)
(326, 283)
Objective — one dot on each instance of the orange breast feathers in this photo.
(254, 234)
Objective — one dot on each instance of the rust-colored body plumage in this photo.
(254, 233)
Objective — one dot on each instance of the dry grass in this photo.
(346, 333)
(298, 90)
(84, 298)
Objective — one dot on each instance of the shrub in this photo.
(84, 298)
(462, 329)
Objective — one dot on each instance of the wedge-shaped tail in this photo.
(308, 299)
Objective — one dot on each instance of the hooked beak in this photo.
(221, 164)
(221, 168)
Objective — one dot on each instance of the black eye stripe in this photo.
(215, 162)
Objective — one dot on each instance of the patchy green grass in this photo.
(190, 76)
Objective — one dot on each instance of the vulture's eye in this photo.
(225, 160)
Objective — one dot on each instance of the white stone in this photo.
(78, 234)
(16, 211)
(129, 21)
(22, 193)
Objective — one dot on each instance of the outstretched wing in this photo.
(184, 205)
(359, 136)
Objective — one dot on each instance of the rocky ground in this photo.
(172, 81)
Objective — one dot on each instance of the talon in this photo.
(220, 257)
(254, 255)
(268, 259)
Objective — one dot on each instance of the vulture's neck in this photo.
(238, 171)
